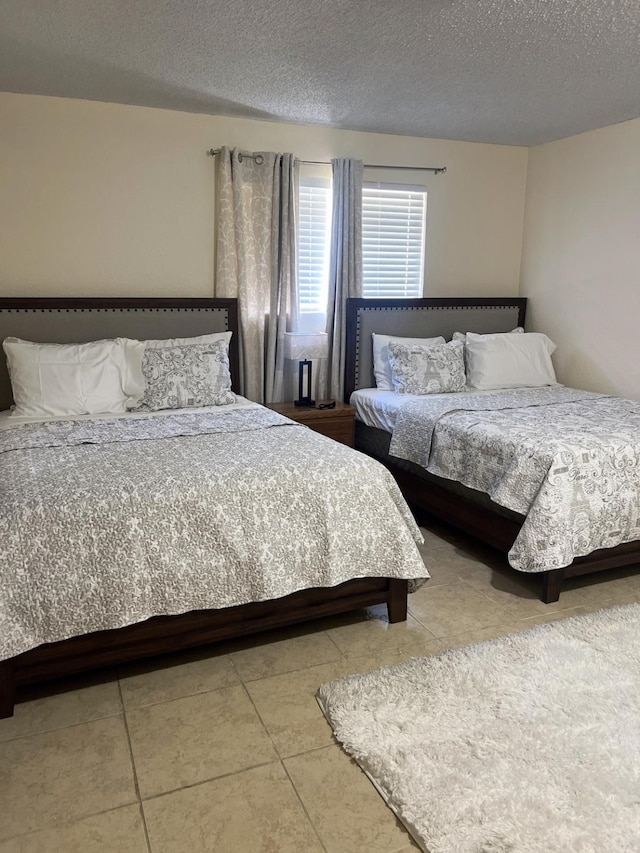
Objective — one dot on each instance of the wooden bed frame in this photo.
(407, 317)
(64, 320)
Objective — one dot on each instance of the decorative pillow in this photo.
(179, 377)
(509, 361)
(381, 366)
(183, 342)
(134, 362)
(427, 370)
(58, 380)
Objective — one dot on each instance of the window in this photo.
(393, 240)
(393, 244)
(313, 250)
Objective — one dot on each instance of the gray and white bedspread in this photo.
(108, 523)
(568, 460)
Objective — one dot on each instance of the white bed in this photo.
(550, 475)
(566, 460)
(132, 534)
(110, 521)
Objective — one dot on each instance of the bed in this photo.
(131, 535)
(507, 523)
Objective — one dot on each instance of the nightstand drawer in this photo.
(340, 429)
(337, 423)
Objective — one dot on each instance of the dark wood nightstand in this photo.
(337, 423)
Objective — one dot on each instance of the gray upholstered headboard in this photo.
(419, 318)
(81, 320)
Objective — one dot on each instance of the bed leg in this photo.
(7, 688)
(551, 583)
(397, 601)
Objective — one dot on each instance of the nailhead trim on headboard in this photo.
(358, 308)
(223, 313)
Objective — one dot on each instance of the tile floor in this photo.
(227, 751)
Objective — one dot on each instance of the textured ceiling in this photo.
(508, 71)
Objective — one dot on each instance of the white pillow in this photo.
(381, 366)
(462, 336)
(509, 361)
(73, 379)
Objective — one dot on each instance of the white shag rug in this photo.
(530, 742)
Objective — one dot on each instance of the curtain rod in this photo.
(437, 170)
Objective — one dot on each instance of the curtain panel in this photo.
(345, 265)
(256, 228)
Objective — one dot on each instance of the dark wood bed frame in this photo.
(162, 634)
(434, 497)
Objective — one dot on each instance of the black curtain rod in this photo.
(437, 170)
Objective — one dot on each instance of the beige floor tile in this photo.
(64, 775)
(354, 617)
(346, 810)
(61, 709)
(378, 636)
(554, 616)
(456, 608)
(439, 536)
(599, 588)
(117, 831)
(621, 599)
(366, 663)
(190, 740)
(461, 564)
(481, 635)
(446, 543)
(486, 569)
(274, 658)
(518, 591)
(439, 572)
(287, 705)
(256, 811)
(174, 677)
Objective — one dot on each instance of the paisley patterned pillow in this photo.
(427, 370)
(186, 376)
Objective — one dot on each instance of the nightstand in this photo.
(337, 423)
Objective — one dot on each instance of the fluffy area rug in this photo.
(530, 742)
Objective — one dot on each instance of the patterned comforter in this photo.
(109, 522)
(568, 460)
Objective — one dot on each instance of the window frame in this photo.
(315, 320)
(413, 251)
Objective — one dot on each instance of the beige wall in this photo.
(105, 199)
(581, 256)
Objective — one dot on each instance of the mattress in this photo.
(567, 461)
(9, 420)
(380, 409)
(108, 521)
(375, 442)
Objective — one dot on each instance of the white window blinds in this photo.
(313, 249)
(393, 244)
(393, 240)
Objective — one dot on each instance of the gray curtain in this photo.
(256, 227)
(345, 266)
